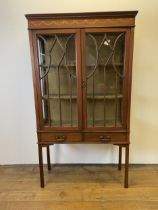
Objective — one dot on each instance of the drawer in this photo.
(107, 137)
(59, 137)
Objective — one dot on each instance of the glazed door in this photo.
(58, 69)
(104, 78)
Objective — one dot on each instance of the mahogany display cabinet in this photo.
(82, 71)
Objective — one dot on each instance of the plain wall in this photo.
(17, 115)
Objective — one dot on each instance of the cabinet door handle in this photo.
(60, 138)
(84, 84)
(105, 138)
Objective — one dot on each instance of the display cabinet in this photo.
(82, 66)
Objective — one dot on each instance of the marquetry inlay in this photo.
(77, 23)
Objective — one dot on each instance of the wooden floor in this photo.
(98, 187)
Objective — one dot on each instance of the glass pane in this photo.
(57, 63)
(104, 78)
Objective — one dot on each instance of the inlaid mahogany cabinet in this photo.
(82, 66)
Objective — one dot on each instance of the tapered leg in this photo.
(41, 165)
(48, 159)
(126, 166)
(120, 157)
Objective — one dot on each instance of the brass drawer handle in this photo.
(60, 138)
(105, 138)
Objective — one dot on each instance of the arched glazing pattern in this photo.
(57, 64)
(105, 79)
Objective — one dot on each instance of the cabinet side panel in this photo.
(131, 46)
(34, 79)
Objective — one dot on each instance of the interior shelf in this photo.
(97, 123)
(62, 96)
(101, 123)
(102, 96)
(73, 66)
(89, 96)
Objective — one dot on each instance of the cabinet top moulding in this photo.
(82, 20)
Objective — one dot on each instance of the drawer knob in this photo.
(105, 138)
(60, 138)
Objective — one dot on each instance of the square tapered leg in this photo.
(48, 158)
(41, 165)
(126, 166)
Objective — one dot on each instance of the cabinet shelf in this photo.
(62, 96)
(89, 96)
(97, 123)
(102, 96)
(73, 66)
(101, 123)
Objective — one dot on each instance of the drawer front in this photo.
(105, 137)
(60, 137)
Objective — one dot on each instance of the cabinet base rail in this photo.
(40, 152)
